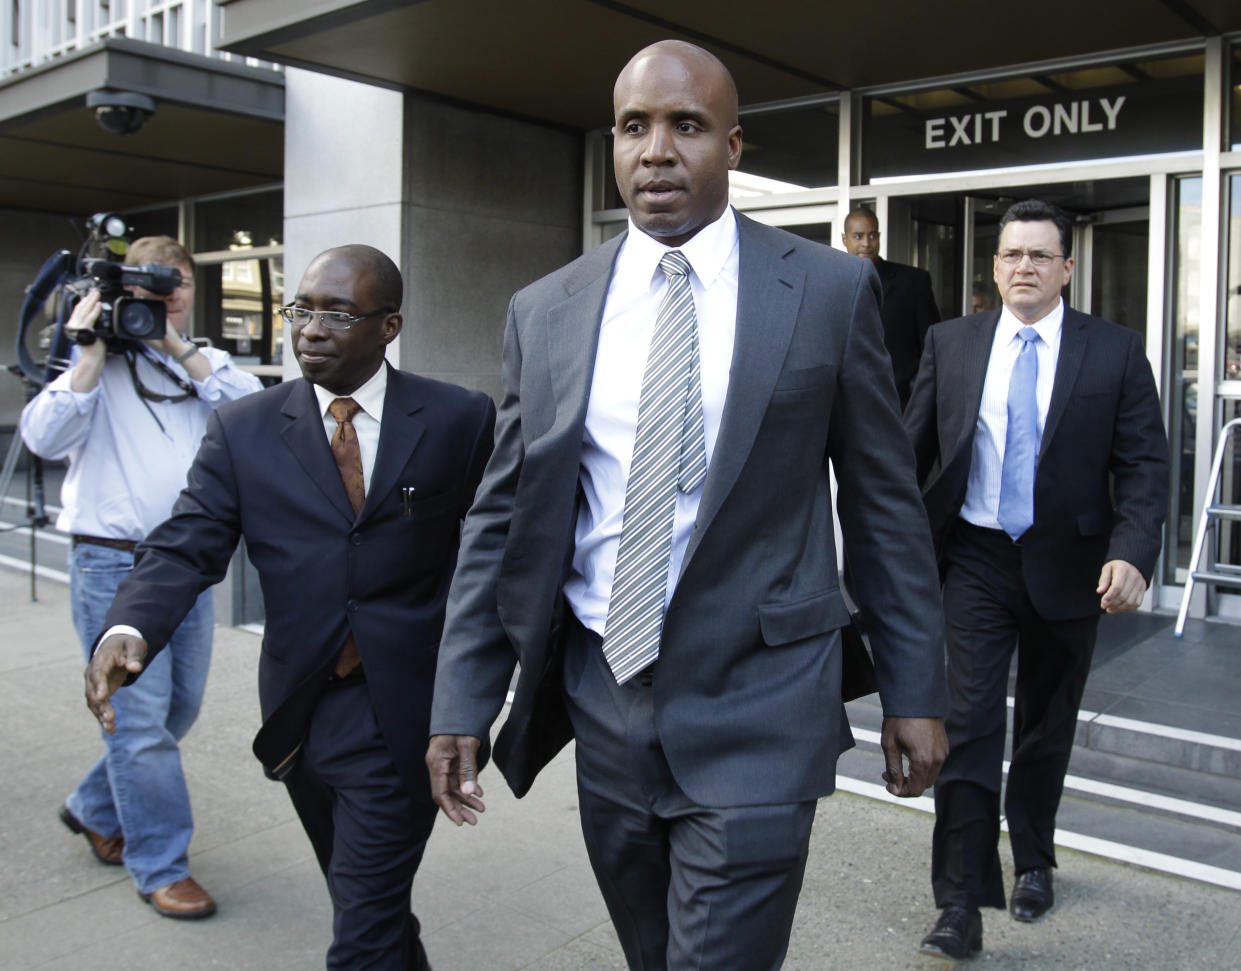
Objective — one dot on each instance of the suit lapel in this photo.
(304, 434)
(1068, 363)
(398, 437)
(573, 334)
(964, 389)
(769, 293)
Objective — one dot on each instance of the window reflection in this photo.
(1232, 305)
(1183, 373)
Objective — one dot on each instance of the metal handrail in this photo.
(1210, 510)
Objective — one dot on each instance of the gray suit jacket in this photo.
(747, 697)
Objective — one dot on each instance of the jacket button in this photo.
(355, 539)
(353, 606)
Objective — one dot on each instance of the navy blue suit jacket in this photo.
(265, 471)
(908, 311)
(1101, 487)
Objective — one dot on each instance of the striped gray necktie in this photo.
(669, 452)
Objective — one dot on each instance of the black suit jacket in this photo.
(265, 471)
(1101, 487)
(908, 311)
(747, 701)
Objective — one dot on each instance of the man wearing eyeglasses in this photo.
(349, 487)
(1044, 465)
(908, 308)
(129, 424)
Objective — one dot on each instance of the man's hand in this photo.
(114, 660)
(1122, 586)
(90, 363)
(452, 762)
(924, 742)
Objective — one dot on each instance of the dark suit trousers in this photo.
(988, 614)
(686, 886)
(368, 832)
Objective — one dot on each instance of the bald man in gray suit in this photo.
(699, 764)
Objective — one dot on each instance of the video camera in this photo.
(124, 319)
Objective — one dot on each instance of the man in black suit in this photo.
(349, 487)
(1044, 464)
(653, 541)
(908, 308)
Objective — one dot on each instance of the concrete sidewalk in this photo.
(516, 892)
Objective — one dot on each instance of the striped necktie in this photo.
(669, 452)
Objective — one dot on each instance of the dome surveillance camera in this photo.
(120, 112)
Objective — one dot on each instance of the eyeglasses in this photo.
(331, 319)
(1013, 257)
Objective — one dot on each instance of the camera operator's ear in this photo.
(120, 112)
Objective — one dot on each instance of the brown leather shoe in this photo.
(184, 900)
(107, 849)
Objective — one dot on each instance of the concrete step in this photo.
(1175, 818)
(1144, 741)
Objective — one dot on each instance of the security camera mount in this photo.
(120, 112)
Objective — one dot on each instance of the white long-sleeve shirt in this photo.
(125, 472)
(982, 493)
(629, 315)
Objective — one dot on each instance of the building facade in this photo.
(470, 140)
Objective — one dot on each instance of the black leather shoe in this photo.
(956, 935)
(1032, 896)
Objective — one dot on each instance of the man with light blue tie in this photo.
(1044, 465)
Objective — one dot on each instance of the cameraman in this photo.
(130, 423)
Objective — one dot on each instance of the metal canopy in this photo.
(217, 127)
(555, 60)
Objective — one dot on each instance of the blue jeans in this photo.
(137, 788)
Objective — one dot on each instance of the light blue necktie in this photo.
(1016, 512)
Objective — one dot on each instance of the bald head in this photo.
(366, 260)
(695, 61)
(362, 285)
(861, 235)
(676, 138)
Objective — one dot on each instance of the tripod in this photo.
(36, 511)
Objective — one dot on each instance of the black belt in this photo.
(356, 674)
(997, 536)
(113, 544)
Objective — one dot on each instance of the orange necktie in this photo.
(346, 452)
(349, 461)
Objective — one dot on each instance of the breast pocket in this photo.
(417, 508)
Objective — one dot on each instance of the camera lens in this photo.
(139, 320)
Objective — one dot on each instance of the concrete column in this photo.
(342, 174)
(491, 204)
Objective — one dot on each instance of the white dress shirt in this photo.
(366, 422)
(982, 494)
(125, 471)
(629, 314)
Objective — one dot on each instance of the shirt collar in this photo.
(370, 396)
(707, 250)
(1048, 327)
